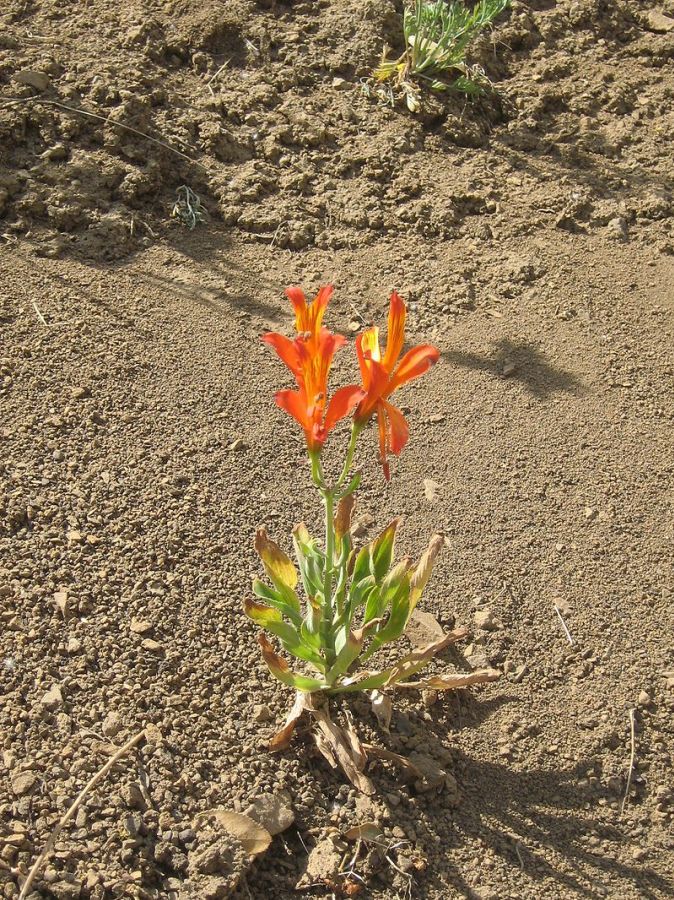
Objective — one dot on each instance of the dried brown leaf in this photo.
(368, 831)
(382, 708)
(253, 837)
(346, 749)
(452, 682)
(283, 737)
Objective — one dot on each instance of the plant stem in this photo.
(329, 500)
(348, 462)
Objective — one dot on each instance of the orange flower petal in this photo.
(341, 403)
(367, 348)
(383, 440)
(413, 364)
(295, 404)
(286, 349)
(296, 296)
(396, 331)
(398, 429)
(309, 316)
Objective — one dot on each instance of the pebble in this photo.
(238, 444)
(52, 699)
(23, 783)
(38, 80)
(261, 713)
(112, 724)
(141, 626)
(80, 393)
(484, 618)
(617, 228)
(152, 646)
(273, 812)
(644, 699)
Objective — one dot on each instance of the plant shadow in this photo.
(522, 363)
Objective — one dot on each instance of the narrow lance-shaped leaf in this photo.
(310, 558)
(291, 639)
(275, 599)
(408, 665)
(280, 669)
(278, 566)
(348, 649)
(381, 551)
(424, 568)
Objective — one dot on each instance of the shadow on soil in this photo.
(526, 365)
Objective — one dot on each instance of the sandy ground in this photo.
(140, 447)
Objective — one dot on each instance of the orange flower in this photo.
(309, 357)
(382, 376)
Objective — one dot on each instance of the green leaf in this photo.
(381, 551)
(280, 669)
(289, 610)
(289, 636)
(352, 646)
(311, 560)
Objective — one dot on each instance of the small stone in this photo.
(133, 796)
(52, 699)
(590, 513)
(55, 153)
(73, 645)
(74, 536)
(261, 713)
(238, 444)
(639, 853)
(112, 724)
(520, 672)
(273, 812)
(61, 602)
(659, 22)
(141, 626)
(509, 368)
(644, 699)
(484, 619)
(152, 646)
(423, 628)
(23, 783)
(354, 326)
(340, 84)
(80, 393)
(37, 80)
(478, 660)
(430, 489)
(617, 228)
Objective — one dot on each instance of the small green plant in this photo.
(188, 208)
(437, 37)
(356, 601)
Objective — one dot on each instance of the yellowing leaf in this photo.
(280, 669)
(277, 565)
(424, 568)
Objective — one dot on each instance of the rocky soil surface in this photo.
(532, 234)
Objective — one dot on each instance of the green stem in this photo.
(329, 500)
(348, 462)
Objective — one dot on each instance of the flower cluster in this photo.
(309, 357)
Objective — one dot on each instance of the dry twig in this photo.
(106, 119)
(90, 785)
(566, 630)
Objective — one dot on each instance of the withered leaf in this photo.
(253, 837)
